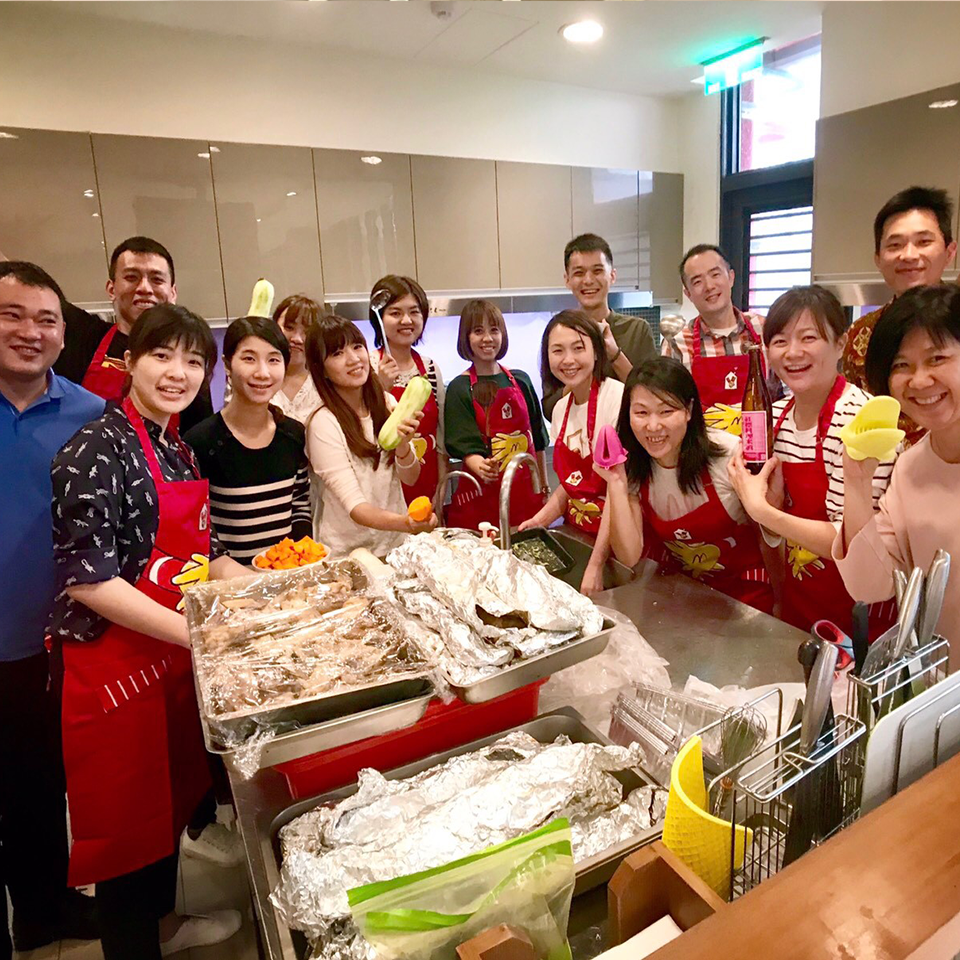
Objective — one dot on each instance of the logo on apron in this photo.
(204, 517)
(803, 562)
(506, 411)
(730, 382)
(575, 478)
(175, 574)
(698, 559)
(682, 534)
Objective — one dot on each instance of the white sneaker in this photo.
(216, 844)
(215, 927)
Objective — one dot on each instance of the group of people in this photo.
(128, 488)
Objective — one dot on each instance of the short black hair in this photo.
(670, 380)
(579, 322)
(934, 309)
(476, 312)
(265, 328)
(168, 324)
(934, 199)
(586, 243)
(141, 245)
(388, 290)
(696, 250)
(822, 304)
(30, 275)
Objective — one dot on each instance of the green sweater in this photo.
(633, 336)
(461, 431)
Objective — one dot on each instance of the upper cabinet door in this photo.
(866, 156)
(536, 219)
(606, 202)
(661, 234)
(163, 189)
(366, 219)
(455, 214)
(267, 214)
(50, 212)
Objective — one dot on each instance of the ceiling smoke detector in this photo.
(442, 9)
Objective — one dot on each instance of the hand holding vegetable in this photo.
(406, 430)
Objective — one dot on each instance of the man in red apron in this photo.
(708, 545)
(813, 588)
(424, 442)
(714, 346)
(507, 428)
(584, 487)
(141, 276)
(133, 750)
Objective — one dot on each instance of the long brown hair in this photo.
(327, 336)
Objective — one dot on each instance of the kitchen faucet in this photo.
(506, 483)
(441, 493)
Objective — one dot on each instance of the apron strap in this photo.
(823, 418)
(104, 345)
(136, 421)
(591, 415)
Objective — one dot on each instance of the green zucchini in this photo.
(413, 399)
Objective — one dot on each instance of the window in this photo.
(780, 242)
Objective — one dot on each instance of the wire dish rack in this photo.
(871, 698)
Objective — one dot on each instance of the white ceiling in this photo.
(651, 47)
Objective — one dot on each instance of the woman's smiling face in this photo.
(803, 357)
(348, 367)
(925, 378)
(570, 355)
(659, 424)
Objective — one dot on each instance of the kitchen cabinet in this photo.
(267, 218)
(163, 189)
(660, 234)
(535, 213)
(455, 218)
(50, 213)
(606, 202)
(866, 156)
(366, 219)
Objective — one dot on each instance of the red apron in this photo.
(585, 488)
(720, 379)
(708, 545)
(507, 428)
(813, 588)
(132, 745)
(106, 375)
(424, 442)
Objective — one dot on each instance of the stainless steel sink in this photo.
(615, 574)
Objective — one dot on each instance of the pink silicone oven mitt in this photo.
(608, 450)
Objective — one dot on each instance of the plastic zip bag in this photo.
(526, 882)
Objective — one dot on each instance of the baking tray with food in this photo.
(281, 651)
(551, 766)
(490, 621)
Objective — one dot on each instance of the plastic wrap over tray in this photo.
(283, 650)
(390, 828)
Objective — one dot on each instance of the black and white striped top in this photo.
(800, 446)
(257, 497)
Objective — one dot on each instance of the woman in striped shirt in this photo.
(799, 493)
(250, 452)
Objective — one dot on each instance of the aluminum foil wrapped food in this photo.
(390, 828)
(486, 606)
(270, 643)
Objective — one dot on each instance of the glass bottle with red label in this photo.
(756, 424)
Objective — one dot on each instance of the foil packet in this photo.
(390, 828)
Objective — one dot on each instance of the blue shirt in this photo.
(28, 443)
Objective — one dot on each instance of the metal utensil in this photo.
(908, 598)
(377, 302)
(814, 800)
(909, 609)
(933, 594)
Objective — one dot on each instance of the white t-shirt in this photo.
(349, 481)
(608, 412)
(669, 502)
(800, 446)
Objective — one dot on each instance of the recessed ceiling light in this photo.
(94, 214)
(372, 160)
(942, 104)
(8, 136)
(583, 31)
(258, 219)
(291, 193)
(204, 156)
(88, 193)
(214, 149)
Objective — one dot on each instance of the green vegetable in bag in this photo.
(526, 882)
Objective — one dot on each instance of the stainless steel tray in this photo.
(536, 668)
(263, 807)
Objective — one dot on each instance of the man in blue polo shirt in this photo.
(39, 412)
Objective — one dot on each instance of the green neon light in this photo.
(732, 68)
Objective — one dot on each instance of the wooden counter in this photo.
(877, 891)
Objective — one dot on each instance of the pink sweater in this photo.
(918, 515)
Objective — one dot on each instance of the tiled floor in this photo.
(203, 887)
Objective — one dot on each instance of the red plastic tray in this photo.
(442, 727)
